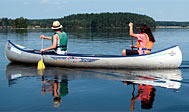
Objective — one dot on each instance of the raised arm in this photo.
(131, 33)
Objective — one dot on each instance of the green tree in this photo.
(106, 20)
(20, 22)
(4, 22)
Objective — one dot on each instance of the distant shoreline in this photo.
(170, 27)
(35, 28)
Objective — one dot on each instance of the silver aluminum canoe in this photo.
(167, 58)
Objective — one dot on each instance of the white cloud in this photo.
(142, 9)
(44, 1)
(53, 2)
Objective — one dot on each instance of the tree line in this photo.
(14, 23)
(172, 23)
(106, 20)
(93, 20)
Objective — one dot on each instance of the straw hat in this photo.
(56, 25)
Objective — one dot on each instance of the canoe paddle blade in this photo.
(41, 65)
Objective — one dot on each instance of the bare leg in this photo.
(123, 52)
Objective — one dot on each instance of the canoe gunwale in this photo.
(86, 55)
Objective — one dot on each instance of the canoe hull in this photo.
(167, 58)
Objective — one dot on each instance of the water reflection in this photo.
(58, 87)
(99, 33)
(55, 80)
(146, 82)
(146, 94)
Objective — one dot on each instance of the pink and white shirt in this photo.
(142, 41)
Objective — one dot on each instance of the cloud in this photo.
(44, 1)
(53, 2)
(142, 9)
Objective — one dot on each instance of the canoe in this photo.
(167, 58)
(166, 78)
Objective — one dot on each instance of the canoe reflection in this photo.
(55, 80)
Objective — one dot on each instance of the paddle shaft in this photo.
(42, 48)
(132, 42)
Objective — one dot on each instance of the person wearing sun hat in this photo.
(56, 25)
(59, 39)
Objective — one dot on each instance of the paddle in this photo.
(131, 39)
(132, 42)
(41, 65)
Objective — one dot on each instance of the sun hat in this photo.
(56, 25)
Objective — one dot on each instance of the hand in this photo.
(130, 24)
(132, 46)
(42, 36)
(42, 50)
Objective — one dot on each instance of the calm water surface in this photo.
(22, 88)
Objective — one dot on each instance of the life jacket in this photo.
(62, 42)
(148, 47)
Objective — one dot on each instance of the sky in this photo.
(159, 10)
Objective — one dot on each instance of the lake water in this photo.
(22, 88)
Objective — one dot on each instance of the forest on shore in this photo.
(101, 20)
(93, 20)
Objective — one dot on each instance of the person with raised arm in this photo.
(145, 41)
